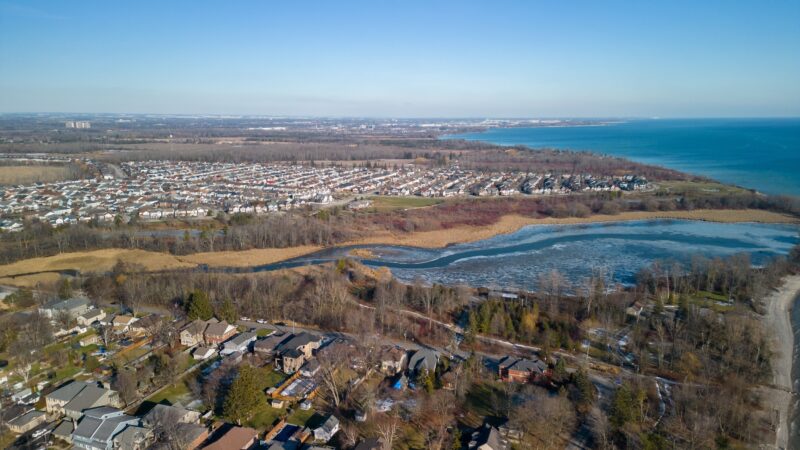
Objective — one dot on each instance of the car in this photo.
(39, 433)
(261, 321)
(246, 319)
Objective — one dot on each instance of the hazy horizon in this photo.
(409, 60)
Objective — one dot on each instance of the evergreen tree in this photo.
(198, 306)
(243, 396)
(622, 406)
(227, 312)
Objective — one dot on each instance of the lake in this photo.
(762, 154)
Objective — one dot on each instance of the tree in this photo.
(64, 289)
(622, 406)
(198, 306)
(124, 382)
(227, 312)
(244, 395)
(169, 431)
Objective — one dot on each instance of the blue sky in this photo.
(409, 59)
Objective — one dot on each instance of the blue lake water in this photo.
(762, 154)
(619, 250)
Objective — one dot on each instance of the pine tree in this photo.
(243, 397)
(227, 312)
(199, 307)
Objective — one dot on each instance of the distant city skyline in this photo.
(409, 59)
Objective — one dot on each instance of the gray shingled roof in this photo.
(86, 399)
(296, 341)
(67, 392)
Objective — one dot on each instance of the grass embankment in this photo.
(29, 272)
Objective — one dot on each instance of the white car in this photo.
(39, 433)
(261, 321)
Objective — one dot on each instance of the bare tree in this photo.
(387, 429)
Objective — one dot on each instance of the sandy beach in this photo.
(778, 320)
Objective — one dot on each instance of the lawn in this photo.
(264, 332)
(173, 394)
(300, 417)
(65, 372)
(391, 203)
(269, 377)
(265, 417)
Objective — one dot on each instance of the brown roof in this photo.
(217, 329)
(235, 438)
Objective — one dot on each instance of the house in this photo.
(305, 342)
(325, 431)
(72, 397)
(393, 361)
(89, 340)
(217, 333)
(91, 316)
(292, 360)
(193, 333)
(239, 343)
(64, 430)
(133, 437)
(24, 397)
(27, 421)
(89, 397)
(145, 325)
(202, 353)
(521, 370)
(122, 322)
(100, 426)
(170, 413)
(73, 307)
(268, 345)
(423, 360)
(488, 438)
(235, 438)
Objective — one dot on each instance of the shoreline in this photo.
(778, 319)
(513, 222)
(28, 272)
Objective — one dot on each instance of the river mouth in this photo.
(617, 251)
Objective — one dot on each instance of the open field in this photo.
(26, 174)
(247, 258)
(696, 187)
(94, 261)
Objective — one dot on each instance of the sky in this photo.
(403, 58)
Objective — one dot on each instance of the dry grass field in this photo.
(94, 261)
(32, 174)
(246, 258)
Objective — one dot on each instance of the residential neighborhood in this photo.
(161, 190)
